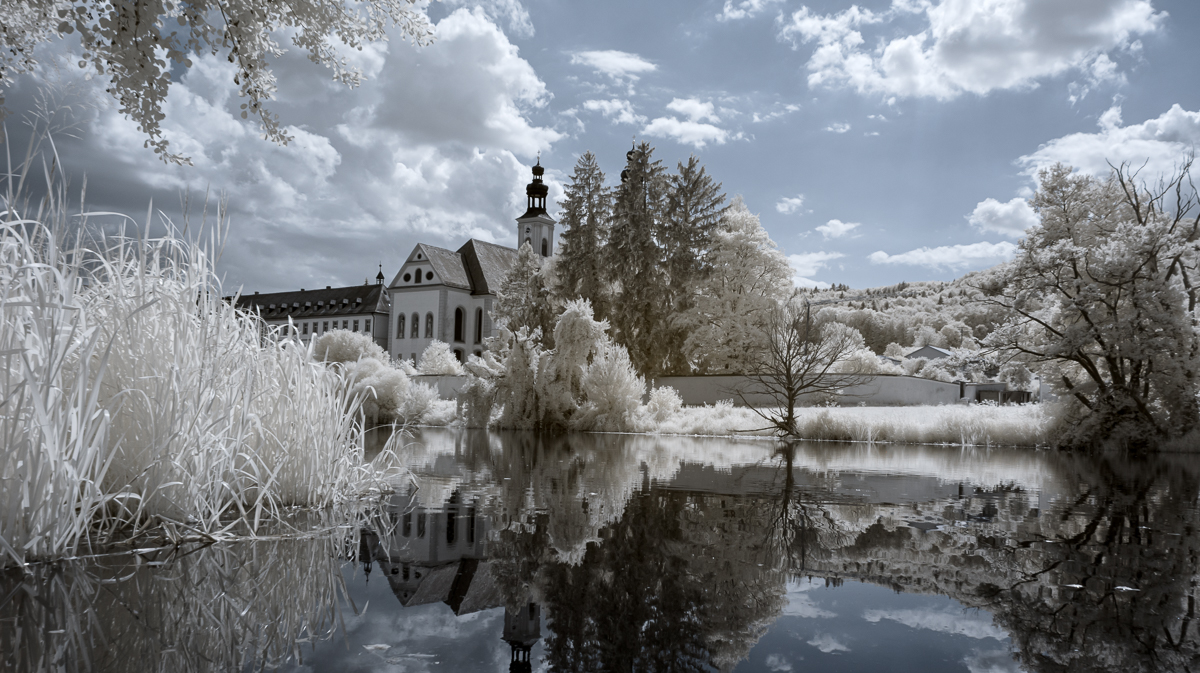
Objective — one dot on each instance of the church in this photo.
(447, 295)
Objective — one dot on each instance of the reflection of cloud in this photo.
(961, 623)
(991, 661)
(777, 663)
(800, 604)
(827, 644)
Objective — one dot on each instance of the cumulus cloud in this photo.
(745, 9)
(951, 257)
(510, 11)
(693, 109)
(837, 228)
(686, 131)
(957, 622)
(838, 127)
(759, 117)
(1160, 143)
(619, 65)
(828, 644)
(434, 146)
(1009, 219)
(619, 111)
(968, 46)
(789, 204)
(808, 264)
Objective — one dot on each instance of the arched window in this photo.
(400, 326)
(418, 275)
(545, 247)
(459, 319)
(416, 327)
(428, 325)
(458, 355)
(478, 325)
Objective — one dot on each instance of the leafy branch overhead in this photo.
(137, 44)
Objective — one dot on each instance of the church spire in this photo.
(536, 191)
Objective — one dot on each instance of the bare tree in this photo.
(800, 358)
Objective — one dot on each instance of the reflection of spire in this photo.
(522, 630)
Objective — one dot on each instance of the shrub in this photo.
(345, 346)
(439, 360)
(664, 403)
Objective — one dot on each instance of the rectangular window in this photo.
(304, 328)
(367, 328)
(325, 326)
(355, 325)
(345, 324)
(420, 524)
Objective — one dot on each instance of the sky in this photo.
(879, 142)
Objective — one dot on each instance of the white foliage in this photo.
(345, 346)
(664, 403)
(612, 390)
(439, 360)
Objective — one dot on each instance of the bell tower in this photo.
(536, 226)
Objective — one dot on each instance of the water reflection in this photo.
(607, 552)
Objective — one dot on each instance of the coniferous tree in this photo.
(634, 262)
(585, 215)
(693, 210)
(523, 299)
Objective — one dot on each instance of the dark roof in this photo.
(333, 301)
(487, 264)
(448, 266)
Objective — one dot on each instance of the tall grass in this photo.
(134, 399)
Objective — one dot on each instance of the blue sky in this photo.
(879, 142)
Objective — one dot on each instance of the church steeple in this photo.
(536, 227)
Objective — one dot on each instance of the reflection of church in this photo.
(441, 556)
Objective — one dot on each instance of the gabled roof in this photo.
(332, 301)
(930, 352)
(487, 264)
(447, 266)
(477, 266)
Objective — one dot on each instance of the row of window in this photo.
(460, 327)
(321, 326)
(451, 525)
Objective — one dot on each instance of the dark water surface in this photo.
(633, 553)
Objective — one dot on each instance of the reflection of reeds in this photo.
(132, 394)
(236, 607)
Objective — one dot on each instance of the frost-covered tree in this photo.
(694, 205)
(524, 298)
(136, 44)
(747, 277)
(634, 262)
(585, 213)
(439, 360)
(1103, 297)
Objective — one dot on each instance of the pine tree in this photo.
(585, 215)
(694, 209)
(634, 261)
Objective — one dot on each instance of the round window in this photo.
(428, 275)
(407, 277)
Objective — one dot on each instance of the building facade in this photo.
(447, 295)
(309, 313)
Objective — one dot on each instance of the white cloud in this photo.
(1159, 143)
(745, 9)
(808, 264)
(687, 132)
(693, 109)
(619, 111)
(952, 257)
(838, 127)
(800, 605)
(970, 46)
(774, 114)
(837, 228)
(499, 10)
(788, 205)
(1009, 219)
(957, 622)
(827, 644)
(616, 64)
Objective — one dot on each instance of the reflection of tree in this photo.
(1136, 561)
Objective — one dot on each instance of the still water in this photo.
(512, 552)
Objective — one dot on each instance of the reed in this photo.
(135, 400)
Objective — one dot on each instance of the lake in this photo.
(515, 552)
